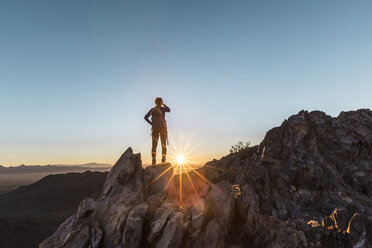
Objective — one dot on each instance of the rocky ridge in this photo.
(308, 184)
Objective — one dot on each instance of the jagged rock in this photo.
(96, 237)
(161, 217)
(77, 239)
(214, 237)
(221, 203)
(249, 207)
(308, 184)
(338, 220)
(198, 213)
(357, 230)
(173, 232)
(156, 179)
(58, 238)
(86, 207)
(132, 234)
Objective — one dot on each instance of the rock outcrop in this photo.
(308, 184)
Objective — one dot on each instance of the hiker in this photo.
(159, 128)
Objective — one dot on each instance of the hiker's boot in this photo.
(163, 159)
(153, 161)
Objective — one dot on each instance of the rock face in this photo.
(308, 184)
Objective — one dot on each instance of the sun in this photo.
(180, 159)
(181, 165)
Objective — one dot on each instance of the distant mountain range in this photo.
(31, 213)
(21, 169)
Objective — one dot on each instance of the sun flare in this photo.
(182, 165)
(180, 159)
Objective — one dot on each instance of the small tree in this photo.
(240, 146)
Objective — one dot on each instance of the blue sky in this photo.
(77, 77)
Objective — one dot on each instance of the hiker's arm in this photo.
(147, 117)
(166, 108)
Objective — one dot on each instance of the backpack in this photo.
(158, 121)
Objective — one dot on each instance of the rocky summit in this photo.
(308, 184)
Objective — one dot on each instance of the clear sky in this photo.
(77, 77)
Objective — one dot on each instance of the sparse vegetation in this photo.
(243, 150)
(240, 146)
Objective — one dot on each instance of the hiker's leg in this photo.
(163, 139)
(155, 138)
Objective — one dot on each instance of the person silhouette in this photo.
(159, 128)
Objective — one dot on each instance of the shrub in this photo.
(240, 146)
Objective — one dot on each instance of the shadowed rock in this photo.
(308, 184)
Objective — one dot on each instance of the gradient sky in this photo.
(77, 77)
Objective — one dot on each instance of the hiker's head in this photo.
(158, 101)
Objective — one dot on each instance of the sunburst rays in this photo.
(182, 164)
